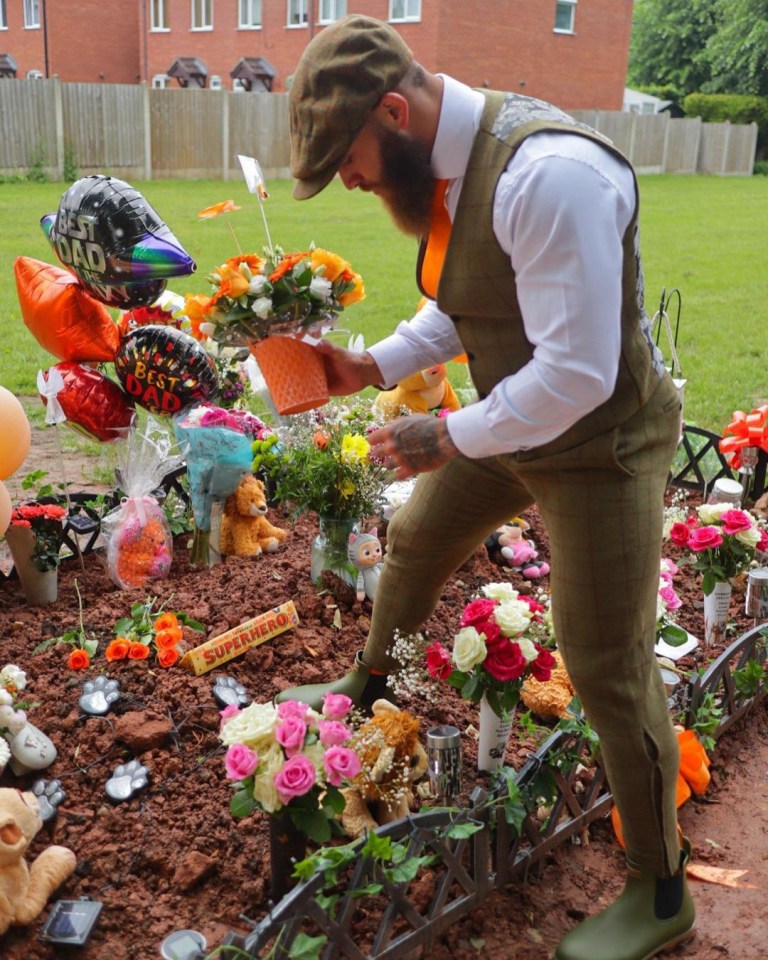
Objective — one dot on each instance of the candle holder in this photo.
(756, 602)
(444, 761)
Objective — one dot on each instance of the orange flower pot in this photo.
(294, 373)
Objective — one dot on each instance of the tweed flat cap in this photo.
(343, 73)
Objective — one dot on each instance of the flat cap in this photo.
(343, 73)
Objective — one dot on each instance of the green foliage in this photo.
(737, 52)
(36, 172)
(77, 637)
(70, 164)
(738, 108)
(761, 168)
(749, 679)
(706, 720)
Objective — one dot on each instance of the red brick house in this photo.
(572, 52)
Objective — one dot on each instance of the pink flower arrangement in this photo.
(667, 603)
(45, 521)
(499, 645)
(722, 540)
(290, 759)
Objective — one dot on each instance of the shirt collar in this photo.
(460, 113)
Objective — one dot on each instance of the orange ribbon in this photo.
(747, 430)
(693, 776)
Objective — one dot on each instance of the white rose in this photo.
(500, 591)
(661, 608)
(264, 791)
(207, 328)
(512, 617)
(527, 649)
(468, 649)
(5, 698)
(13, 675)
(254, 726)
(257, 284)
(750, 538)
(315, 752)
(262, 307)
(320, 288)
(711, 512)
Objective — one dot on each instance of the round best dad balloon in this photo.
(106, 233)
(15, 434)
(165, 370)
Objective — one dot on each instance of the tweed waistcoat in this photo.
(477, 284)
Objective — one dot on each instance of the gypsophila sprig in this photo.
(410, 679)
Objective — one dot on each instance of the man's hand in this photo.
(414, 444)
(347, 372)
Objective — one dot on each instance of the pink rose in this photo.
(763, 542)
(333, 732)
(670, 598)
(340, 763)
(680, 533)
(477, 610)
(734, 521)
(704, 538)
(669, 567)
(542, 666)
(336, 706)
(231, 710)
(290, 735)
(297, 777)
(505, 661)
(292, 708)
(533, 605)
(240, 761)
(438, 661)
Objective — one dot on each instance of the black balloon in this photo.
(165, 370)
(106, 233)
(127, 295)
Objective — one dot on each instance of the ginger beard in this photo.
(406, 182)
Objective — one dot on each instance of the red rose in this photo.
(763, 542)
(490, 630)
(438, 661)
(680, 534)
(505, 661)
(704, 538)
(477, 610)
(533, 605)
(542, 666)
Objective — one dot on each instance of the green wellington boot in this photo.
(360, 685)
(651, 915)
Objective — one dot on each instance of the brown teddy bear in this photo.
(25, 890)
(421, 392)
(245, 530)
(392, 759)
(549, 698)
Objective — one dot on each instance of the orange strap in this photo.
(437, 241)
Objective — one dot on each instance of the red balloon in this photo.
(61, 316)
(165, 370)
(93, 404)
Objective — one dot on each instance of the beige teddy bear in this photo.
(392, 759)
(549, 698)
(426, 390)
(25, 890)
(245, 530)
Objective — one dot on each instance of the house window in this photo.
(405, 9)
(3, 17)
(331, 10)
(565, 16)
(238, 86)
(249, 14)
(202, 14)
(158, 15)
(160, 81)
(32, 14)
(297, 13)
(34, 75)
(216, 83)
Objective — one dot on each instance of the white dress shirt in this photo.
(560, 211)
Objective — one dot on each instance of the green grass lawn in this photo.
(705, 236)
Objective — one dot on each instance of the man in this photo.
(532, 267)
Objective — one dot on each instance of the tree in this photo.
(737, 52)
(667, 46)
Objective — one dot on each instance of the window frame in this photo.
(407, 17)
(158, 24)
(337, 13)
(247, 22)
(3, 15)
(160, 81)
(31, 7)
(561, 4)
(199, 6)
(302, 5)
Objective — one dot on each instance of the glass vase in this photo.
(329, 550)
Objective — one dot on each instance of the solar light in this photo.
(71, 921)
(183, 945)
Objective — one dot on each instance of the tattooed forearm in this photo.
(413, 444)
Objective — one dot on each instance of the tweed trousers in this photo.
(602, 505)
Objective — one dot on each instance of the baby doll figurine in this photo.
(365, 553)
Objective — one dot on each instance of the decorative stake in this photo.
(254, 180)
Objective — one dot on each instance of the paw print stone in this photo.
(127, 780)
(50, 796)
(99, 695)
(227, 692)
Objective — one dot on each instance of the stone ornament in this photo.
(127, 780)
(227, 692)
(99, 695)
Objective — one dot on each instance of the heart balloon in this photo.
(93, 404)
(165, 370)
(64, 320)
(105, 232)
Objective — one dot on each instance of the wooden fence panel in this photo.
(258, 125)
(684, 135)
(27, 125)
(103, 128)
(649, 138)
(187, 132)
